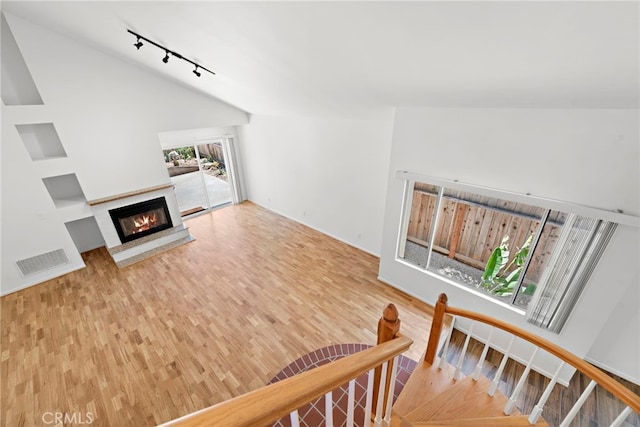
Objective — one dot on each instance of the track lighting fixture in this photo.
(168, 52)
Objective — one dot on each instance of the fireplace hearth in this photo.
(141, 219)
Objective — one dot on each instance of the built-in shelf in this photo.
(41, 141)
(85, 234)
(17, 85)
(64, 190)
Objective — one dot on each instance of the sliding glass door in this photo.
(201, 176)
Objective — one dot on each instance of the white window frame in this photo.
(617, 217)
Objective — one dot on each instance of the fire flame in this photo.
(144, 222)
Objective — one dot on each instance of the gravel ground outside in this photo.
(455, 270)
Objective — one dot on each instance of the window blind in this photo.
(578, 250)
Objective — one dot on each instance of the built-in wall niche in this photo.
(41, 141)
(85, 233)
(18, 87)
(65, 190)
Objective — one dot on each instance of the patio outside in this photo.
(199, 177)
(190, 194)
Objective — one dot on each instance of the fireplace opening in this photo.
(141, 219)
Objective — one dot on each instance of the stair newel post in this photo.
(436, 328)
(388, 328)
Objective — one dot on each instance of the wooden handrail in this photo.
(604, 380)
(270, 403)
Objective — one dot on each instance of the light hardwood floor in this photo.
(191, 327)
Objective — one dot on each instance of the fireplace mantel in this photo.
(129, 194)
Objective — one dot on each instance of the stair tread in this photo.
(397, 421)
(424, 377)
(505, 421)
(466, 398)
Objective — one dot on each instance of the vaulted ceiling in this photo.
(362, 58)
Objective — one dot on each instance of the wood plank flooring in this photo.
(190, 327)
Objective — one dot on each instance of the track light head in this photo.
(138, 44)
(196, 72)
(166, 57)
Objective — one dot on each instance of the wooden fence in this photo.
(211, 150)
(470, 227)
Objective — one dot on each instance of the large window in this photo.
(504, 249)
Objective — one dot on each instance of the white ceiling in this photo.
(359, 59)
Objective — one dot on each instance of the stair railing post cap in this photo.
(390, 313)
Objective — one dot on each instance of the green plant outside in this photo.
(183, 153)
(497, 279)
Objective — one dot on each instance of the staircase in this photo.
(436, 394)
(462, 402)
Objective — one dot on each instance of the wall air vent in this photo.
(42, 262)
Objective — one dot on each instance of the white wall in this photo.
(587, 157)
(327, 173)
(185, 137)
(108, 115)
(609, 351)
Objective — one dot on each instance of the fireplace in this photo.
(141, 219)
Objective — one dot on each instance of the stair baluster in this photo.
(328, 409)
(574, 411)
(537, 410)
(478, 369)
(387, 414)
(446, 344)
(496, 379)
(623, 416)
(295, 419)
(350, 402)
(368, 402)
(380, 403)
(456, 375)
(511, 404)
